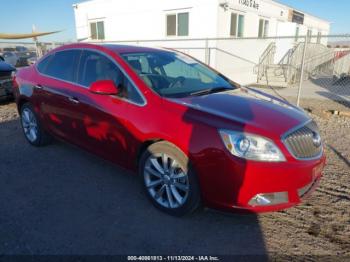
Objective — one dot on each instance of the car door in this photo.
(56, 94)
(102, 126)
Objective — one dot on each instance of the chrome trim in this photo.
(86, 87)
(284, 136)
(73, 100)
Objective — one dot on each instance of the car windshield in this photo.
(172, 74)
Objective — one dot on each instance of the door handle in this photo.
(74, 100)
(38, 87)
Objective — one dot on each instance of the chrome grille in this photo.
(302, 142)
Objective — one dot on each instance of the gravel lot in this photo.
(61, 200)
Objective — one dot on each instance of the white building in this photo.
(182, 23)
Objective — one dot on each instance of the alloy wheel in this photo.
(166, 181)
(30, 125)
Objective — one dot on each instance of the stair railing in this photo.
(266, 59)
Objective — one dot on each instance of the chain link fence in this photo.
(309, 71)
(21, 54)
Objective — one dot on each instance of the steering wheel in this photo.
(157, 81)
(178, 81)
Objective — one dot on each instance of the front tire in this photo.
(32, 128)
(169, 180)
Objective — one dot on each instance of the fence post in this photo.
(206, 51)
(38, 48)
(302, 70)
(209, 56)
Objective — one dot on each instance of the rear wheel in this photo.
(169, 180)
(32, 127)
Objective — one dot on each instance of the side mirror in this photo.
(104, 87)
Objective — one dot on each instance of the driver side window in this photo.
(94, 67)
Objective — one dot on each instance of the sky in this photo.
(51, 15)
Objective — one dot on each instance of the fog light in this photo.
(269, 199)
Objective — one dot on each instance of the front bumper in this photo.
(231, 183)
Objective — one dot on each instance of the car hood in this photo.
(249, 109)
(4, 67)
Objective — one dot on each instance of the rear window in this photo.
(63, 65)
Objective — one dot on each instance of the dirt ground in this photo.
(319, 226)
(322, 224)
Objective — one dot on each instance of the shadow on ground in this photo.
(61, 200)
(338, 91)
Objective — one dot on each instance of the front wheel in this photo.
(169, 180)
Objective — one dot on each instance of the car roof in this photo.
(130, 49)
(119, 49)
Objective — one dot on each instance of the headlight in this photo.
(251, 147)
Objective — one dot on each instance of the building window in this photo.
(177, 24)
(97, 31)
(182, 24)
(319, 36)
(171, 25)
(237, 25)
(297, 29)
(263, 28)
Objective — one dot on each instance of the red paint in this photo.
(104, 87)
(116, 130)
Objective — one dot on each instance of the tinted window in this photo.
(43, 64)
(94, 67)
(63, 65)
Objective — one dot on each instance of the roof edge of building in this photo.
(277, 2)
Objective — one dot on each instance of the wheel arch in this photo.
(147, 143)
(21, 101)
(144, 147)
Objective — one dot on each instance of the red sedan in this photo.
(195, 137)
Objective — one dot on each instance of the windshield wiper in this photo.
(210, 91)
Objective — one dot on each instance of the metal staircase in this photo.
(287, 72)
(270, 74)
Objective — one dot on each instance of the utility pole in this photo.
(302, 70)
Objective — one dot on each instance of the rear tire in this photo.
(169, 180)
(32, 128)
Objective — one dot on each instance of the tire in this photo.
(32, 128)
(176, 178)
